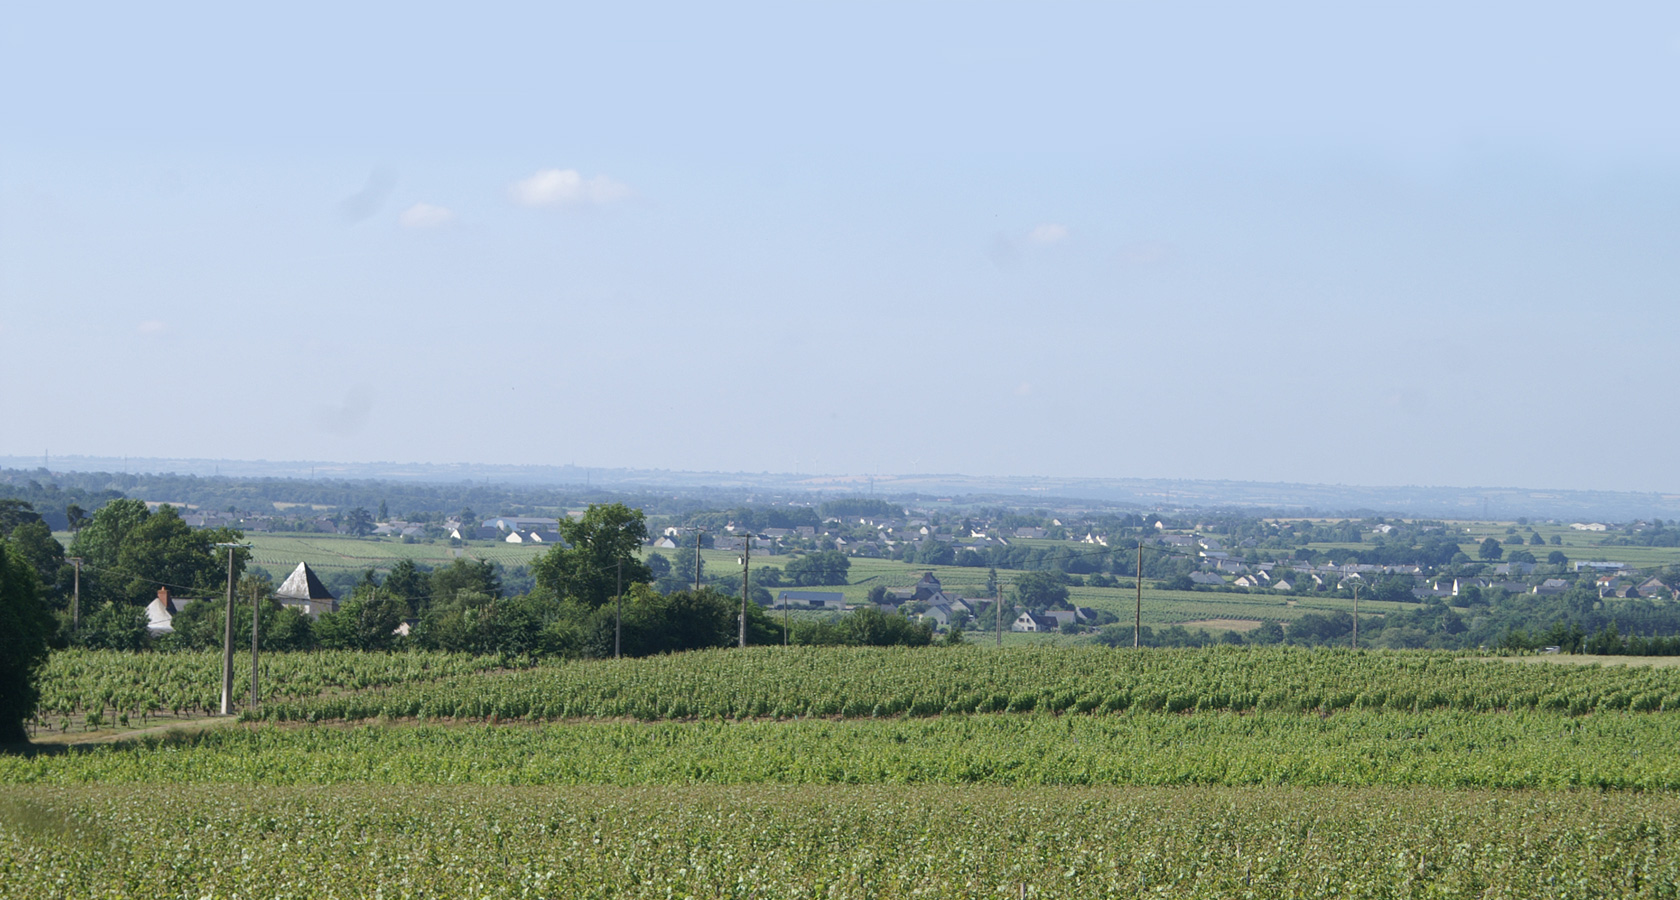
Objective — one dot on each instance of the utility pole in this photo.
(746, 566)
(618, 611)
(998, 612)
(227, 637)
(256, 614)
(76, 596)
(697, 533)
(1137, 616)
(1356, 615)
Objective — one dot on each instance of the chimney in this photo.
(163, 598)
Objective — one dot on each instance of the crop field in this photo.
(852, 772)
(836, 842)
(279, 553)
(136, 687)
(1353, 749)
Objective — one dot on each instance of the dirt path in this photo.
(114, 735)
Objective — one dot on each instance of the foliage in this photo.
(601, 553)
(144, 684)
(25, 626)
(813, 569)
(361, 623)
(829, 681)
(1040, 590)
(130, 552)
(114, 626)
(865, 627)
(842, 842)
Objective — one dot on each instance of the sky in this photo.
(1384, 244)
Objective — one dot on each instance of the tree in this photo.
(33, 541)
(1490, 549)
(361, 623)
(827, 567)
(359, 522)
(408, 583)
(25, 626)
(1557, 558)
(1040, 590)
(600, 548)
(658, 565)
(130, 552)
(683, 565)
(14, 513)
(464, 576)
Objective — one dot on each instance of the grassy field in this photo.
(846, 842)
(1223, 773)
(279, 553)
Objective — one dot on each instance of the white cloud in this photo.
(1025, 388)
(152, 326)
(425, 215)
(566, 187)
(1048, 234)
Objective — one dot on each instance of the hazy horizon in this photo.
(1306, 243)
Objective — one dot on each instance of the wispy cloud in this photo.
(369, 199)
(150, 326)
(567, 187)
(425, 215)
(1048, 233)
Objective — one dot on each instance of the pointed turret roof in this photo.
(303, 585)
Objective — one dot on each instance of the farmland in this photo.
(847, 842)
(858, 772)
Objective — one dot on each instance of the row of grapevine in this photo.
(833, 843)
(140, 685)
(875, 682)
(1621, 751)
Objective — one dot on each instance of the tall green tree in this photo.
(130, 552)
(1040, 590)
(15, 512)
(826, 567)
(600, 546)
(472, 576)
(408, 583)
(25, 626)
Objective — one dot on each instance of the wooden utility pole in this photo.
(999, 611)
(1356, 615)
(697, 533)
(227, 638)
(76, 596)
(1137, 616)
(256, 614)
(746, 565)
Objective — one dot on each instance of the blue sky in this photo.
(1400, 244)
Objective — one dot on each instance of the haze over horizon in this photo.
(1305, 243)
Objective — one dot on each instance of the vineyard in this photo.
(875, 682)
(1612, 751)
(959, 771)
(835, 843)
(134, 687)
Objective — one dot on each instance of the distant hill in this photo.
(1141, 493)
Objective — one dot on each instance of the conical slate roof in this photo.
(303, 585)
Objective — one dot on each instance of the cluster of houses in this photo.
(937, 606)
(302, 590)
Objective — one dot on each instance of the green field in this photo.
(864, 773)
(831, 843)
